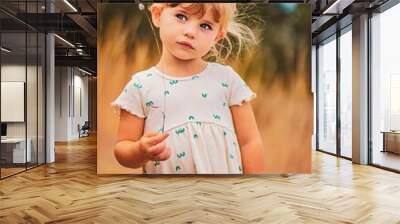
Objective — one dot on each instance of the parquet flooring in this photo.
(70, 191)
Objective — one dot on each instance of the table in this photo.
(15, 148)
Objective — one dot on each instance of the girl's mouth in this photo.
(185, 44)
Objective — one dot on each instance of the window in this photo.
(327, 96)
(346, 93)
(385, 88)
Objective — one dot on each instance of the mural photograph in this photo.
(204, 88)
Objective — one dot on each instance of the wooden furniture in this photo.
(391, 141)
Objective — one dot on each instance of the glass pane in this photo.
(41, 98)
(386, 89)
(23, 87)
(346, 94)
(31, 97)
(13, 87)
(31, 85)
(327, 96)
(313, 77)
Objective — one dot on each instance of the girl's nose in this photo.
(190, 31)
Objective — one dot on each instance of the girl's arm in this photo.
(251, 145)
(133, 149)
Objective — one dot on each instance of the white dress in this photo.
(197, 116)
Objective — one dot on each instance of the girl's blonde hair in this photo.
(232, 23)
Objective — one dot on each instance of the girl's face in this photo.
(186, 35)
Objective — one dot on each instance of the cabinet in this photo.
(391, 142)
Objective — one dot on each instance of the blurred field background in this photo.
(278, 70)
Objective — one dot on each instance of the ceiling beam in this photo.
(337, 7)
(84, 61)
(84, 24)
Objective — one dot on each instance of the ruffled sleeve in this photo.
(130, 99)
(239, 92)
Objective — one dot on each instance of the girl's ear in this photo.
(155, 15)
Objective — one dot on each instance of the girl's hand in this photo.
(152, 145)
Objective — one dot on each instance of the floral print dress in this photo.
(197, 116)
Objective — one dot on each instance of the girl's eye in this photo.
(181, 17)
(206, 26)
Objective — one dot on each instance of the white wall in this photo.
(71, 93)
(61, 103)
(81, 100)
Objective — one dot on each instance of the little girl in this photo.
(185, 115)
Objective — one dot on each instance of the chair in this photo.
(84, 130)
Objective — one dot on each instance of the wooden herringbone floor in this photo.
(70, 191)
